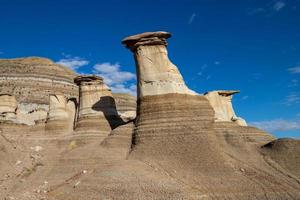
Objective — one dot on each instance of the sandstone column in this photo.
(156, 73)
(97, 109)
(8, 106)
(60, 117)
(221, 101)
(166, 106)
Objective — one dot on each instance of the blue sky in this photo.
(249, 45)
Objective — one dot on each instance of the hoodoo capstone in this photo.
(156, 73)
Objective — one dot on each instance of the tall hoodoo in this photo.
(97, 109)
(221, 101)
(165, 104)
(156, 73)
(8, 106)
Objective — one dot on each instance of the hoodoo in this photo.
(183, 133)
(221, 101)
(165, 104)
(156, 73)
(97, 108)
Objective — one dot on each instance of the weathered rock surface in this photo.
(97, 108)
(175, 149)
(221, 101)
(126, 106)
(33, 79)
(157, 74)
(61, 115)
(8, 107)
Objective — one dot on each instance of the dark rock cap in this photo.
(147, 38)
(88, 78)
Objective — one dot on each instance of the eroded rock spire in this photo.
(156, 73)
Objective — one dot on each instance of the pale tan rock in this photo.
(126, 106)
(61, 115)
(221, 101)
(97, 108)
(156, 73)
(8, 106)
(32, 113)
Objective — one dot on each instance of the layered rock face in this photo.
(221, 101)
(31, 80)
(126, 106)
(178, 132)
(8, 107)
(156, 73)
(97, 108)
(162, 94)
(61, 115)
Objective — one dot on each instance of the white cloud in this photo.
(73, 62)
(294, 70)
(278, 5)
(116, 79)
(292, 99)
(121, 88)
(192, 18)
(278, 125)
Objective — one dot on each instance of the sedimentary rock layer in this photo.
(32, 79)
(97, 108)
(61, 115)
(126, 105)
(8, 107)
(172, 114)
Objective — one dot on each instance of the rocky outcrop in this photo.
(8, 107)
(156, 73)
(126, 106)
(221, 101)
(61, 115)
(97, 108)
(178, 132)
(33, 79)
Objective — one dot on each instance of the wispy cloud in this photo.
(114, 77)
(268, 9)
(279, 5)
(292, 99)
(278, 125)
(73, 62)
(192, 18)
(294, 70)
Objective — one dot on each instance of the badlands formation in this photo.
(68, 137)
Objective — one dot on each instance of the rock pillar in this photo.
(156, 73)
(8, 106)
(61, 115)
(221, 101)
(166, 107)
(97, 108)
